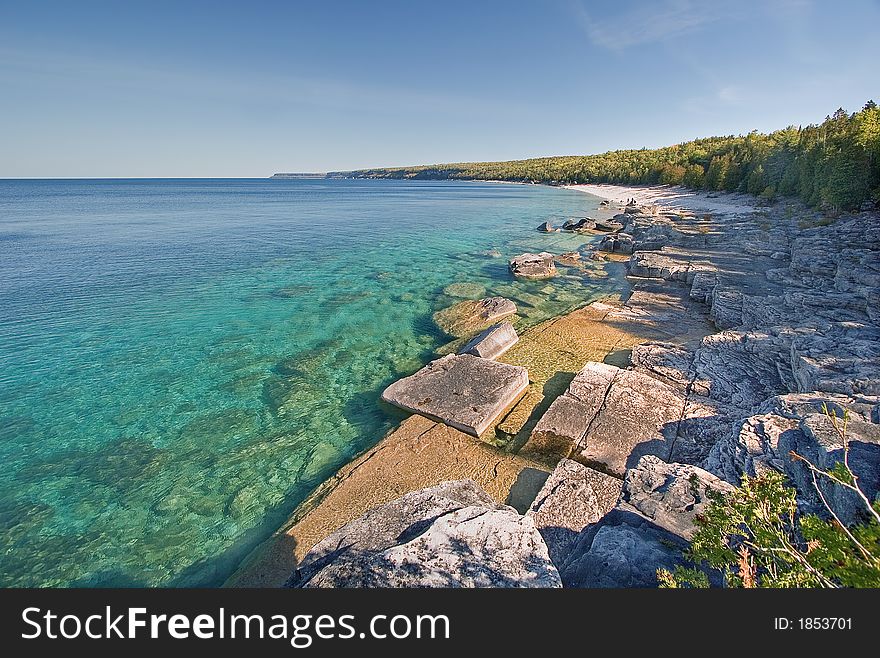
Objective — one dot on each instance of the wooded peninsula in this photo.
(834, 165)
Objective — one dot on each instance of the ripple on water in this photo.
(184, 361)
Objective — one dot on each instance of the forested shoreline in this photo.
(835, 164)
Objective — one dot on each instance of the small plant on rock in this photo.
(756, 537)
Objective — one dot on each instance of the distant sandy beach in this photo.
(673, 197)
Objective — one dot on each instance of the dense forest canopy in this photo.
(835, 164)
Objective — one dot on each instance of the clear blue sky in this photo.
(249, 88)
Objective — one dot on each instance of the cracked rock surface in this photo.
(450, 535)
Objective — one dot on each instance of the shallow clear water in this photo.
(184, 360)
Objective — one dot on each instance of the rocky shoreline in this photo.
(743, 320)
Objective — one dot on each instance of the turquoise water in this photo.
(184, 360)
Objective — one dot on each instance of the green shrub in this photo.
(756, 537)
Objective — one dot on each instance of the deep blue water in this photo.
(184, 360)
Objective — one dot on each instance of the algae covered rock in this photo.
(465, 290)
(569, 258)
(467, 317)
(533, 266)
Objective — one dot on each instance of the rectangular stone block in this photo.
(492, 342)
(463, 391)
(572, 498)
(560, 429)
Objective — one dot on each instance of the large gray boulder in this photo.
(625, 549)
(463, 391)
(756, 445)
(450, 535)
(493, 342)
(649, 528)
(671, 495)
(533, 266)
(583, 224)
(608, 225)
(572, 498)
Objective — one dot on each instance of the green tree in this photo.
(757, 539)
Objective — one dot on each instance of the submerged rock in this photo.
(450, 535)
(465, 289)
(419, 453)
(569, 258)
(293, 291)
(465, 318)
(493, 342)
(547, 227)
(463, 391)
(533, 266)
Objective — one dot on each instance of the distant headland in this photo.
(299, 175)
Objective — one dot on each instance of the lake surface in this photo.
(183, 361)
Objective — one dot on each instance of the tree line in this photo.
(835, 164)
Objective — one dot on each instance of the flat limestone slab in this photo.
(465, 318)
(638, 416)
(493, 342)
(608, 418)
(463, 391)
(563, 426)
